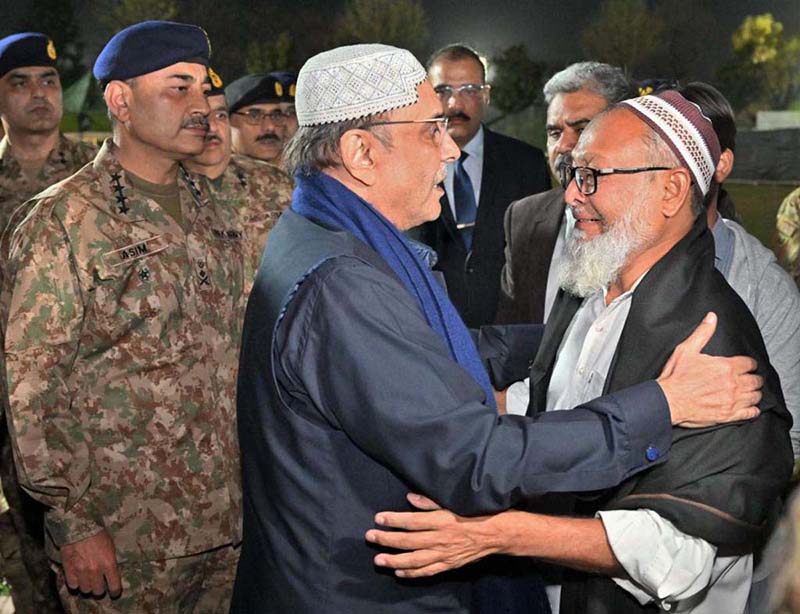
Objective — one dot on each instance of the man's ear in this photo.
(677, 191)
(118, 96)
(724, 166)
(360, 155)
(487, 95)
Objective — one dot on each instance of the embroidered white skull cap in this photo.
(356, 81)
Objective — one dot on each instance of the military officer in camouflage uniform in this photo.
(124, 303)
(33, 156)
(788, 225)
(255, 190)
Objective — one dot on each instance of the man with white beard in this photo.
(639, 273)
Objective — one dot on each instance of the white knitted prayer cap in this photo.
(356, 81)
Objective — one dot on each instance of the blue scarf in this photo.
(323, 199)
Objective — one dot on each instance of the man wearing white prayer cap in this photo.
(359, 383)
(639, 272)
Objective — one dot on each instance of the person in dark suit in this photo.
(493, 171)
(537, 226)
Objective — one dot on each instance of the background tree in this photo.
(266, 56)
(764, 71)
(517, 81)
(127, 12)
(402, 23)
(687, 31)
(627, 33)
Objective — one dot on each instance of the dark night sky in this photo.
(549, 28)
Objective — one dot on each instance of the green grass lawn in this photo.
(757, 205)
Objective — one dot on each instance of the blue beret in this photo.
(26, 49)
(252, 89)
(150, 46)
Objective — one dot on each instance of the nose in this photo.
(37, 88)
(573, 196)
(449, 149)
(199, 103)
(567, 141)
(451, 103)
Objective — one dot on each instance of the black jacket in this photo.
(511, 170)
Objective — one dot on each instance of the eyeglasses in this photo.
(586, 176)
(470, 90)
(438, 136)
(256, 116)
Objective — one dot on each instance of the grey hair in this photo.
(604, 80)
(314, 148)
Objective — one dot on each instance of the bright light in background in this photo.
(487, 67)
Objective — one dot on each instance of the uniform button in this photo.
(470, 270)
(652, 453)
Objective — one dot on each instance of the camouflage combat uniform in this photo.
(16, 188)
(258, 192)
(788, 225)
(121, 349)
(21, 534)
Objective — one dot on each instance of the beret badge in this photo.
(216, 80)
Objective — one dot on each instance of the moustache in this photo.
(213, 138)
(196, 121)
(459, 115)
(269, 136)
(564, 159)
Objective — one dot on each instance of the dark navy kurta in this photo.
(355, 401)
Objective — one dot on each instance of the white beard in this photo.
(591, 265)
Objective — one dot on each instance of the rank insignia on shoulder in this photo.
(136, 251)
(119, 193)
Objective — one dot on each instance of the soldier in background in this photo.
(124, 303)
(263, 118)
(257, 191)
(33, 156)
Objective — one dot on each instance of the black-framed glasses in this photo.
(256, 116)
(586, 176)
(470, 90)
(441, 124)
